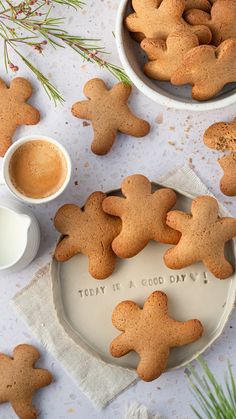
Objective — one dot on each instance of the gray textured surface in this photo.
(175, 139)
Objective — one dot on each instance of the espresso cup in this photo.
(32, 166)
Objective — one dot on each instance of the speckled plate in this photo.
(84, 305)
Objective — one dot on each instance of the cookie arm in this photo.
(114, 205)
(133, 23)
(82, 110)
(183, 333)
(131, 125)
(66, 249)
(120, 346)
(24, 408)
(178, 220)
(42, 378)
(121, 91)
(228, 228)
(197, 17)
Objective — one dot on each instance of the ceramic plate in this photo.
(133, 58)
(84, 305)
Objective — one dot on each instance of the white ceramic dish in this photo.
(84, 305)
(6, 180)
(133, 58)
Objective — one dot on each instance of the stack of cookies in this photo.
(187, 42)
(111, 226)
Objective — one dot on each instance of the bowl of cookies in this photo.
(180, 53)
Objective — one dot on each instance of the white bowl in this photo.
(132, 58)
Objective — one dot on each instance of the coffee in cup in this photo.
(38, 169)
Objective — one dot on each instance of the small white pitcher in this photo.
(19, 236)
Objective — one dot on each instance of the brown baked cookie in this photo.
(228, 181)
(158, 20)
(20, 379)
(14, 110)
(109, 113)
(189, 4)
(198, 4)
(151, 333)
(221, 136)
(221, 20)
(89, 231)
(208, 69)
(204, 235)
(143, 215)
(165, 57)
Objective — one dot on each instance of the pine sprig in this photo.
(215, 400)
(33, 19)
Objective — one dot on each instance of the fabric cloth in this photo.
(99, 381)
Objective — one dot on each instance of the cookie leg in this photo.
(119, 346)
(127, 245)
(152, 365)
(104, 137)
(131, 125)
(102, 263)
(178, 258)
(219, 267)
(24, 408)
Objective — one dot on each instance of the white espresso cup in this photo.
(6, 178)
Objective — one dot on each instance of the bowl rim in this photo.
(148, 91)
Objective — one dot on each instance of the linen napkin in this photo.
(99, 381)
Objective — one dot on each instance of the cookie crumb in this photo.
(159, 118)
(86, 124)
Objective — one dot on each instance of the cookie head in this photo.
(206, 208)
(136, 184)
(94, 88)
(221, 136)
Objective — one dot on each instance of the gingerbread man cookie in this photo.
(143, 215)
(204, 235)
(20, 379)
(151, 333)
(89, 231)
(158, 20)
(109, 113)
(221, 136)
(221, 20)
(14, 110)
(166, 56)
(228, 181)
(207, 69)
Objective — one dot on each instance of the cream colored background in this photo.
(176, 138)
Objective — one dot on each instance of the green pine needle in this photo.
(31, 25)
(216, 401)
